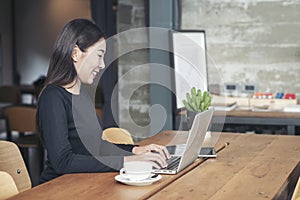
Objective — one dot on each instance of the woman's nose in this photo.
(101, 64)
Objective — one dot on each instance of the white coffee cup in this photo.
(136, 170)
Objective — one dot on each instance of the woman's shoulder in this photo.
(53, 100)
(54, 91)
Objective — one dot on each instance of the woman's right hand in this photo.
(158, 161)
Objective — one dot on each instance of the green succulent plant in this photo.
(196, 101)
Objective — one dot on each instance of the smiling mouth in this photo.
(94, 73)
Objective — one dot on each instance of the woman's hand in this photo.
(156, 154)
(162, 150)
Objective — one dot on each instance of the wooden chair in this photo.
(296, 194)
(22, 119)
(8, 186)
(11, 161)
(117, 136)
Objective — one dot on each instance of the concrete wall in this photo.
(6, 42)
(254, 41)
(37, 25)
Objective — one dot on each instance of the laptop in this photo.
(192, 147)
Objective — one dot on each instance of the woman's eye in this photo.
(100, 56)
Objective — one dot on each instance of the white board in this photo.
(189, 60)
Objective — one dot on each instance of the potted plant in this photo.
(196, 102)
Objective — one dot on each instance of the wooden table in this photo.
(250, 167)
(246, 117)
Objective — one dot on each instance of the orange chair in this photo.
(117, 136)
(296, 194)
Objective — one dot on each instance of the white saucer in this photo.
(126, 181)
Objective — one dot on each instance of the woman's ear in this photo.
(76, 53)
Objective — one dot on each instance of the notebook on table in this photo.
(192, 147)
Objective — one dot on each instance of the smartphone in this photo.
(207, 152)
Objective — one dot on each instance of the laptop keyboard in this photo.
(173, 162)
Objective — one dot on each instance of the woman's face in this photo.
(88, 64)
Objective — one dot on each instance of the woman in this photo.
(68, 131)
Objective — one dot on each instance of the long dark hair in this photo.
(81, 32)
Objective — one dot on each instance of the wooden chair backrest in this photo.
(117, 136)
(8, 187)
(296, 194)
(21, 118)
(11, 161)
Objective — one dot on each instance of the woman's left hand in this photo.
(162, 150)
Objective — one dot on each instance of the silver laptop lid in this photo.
(196, 138)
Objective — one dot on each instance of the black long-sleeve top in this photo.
(71, 134)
